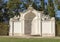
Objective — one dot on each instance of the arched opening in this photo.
(28, 23)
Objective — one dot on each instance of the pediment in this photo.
(30, 10)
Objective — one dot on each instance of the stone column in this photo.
(53, 26)
(39, 24)
(22, 24)
(10, 27)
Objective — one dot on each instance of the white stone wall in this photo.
(48, 28)
(17, 28)
(38, 25)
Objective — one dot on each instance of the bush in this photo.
(58, 28)
(4, 30)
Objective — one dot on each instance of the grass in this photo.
(8, 39)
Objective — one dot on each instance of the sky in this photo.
(5, 0)
(57, 12)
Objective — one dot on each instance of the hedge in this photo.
(4, 29)
(58, 28)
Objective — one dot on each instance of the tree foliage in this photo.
(51, 8)
(36, 7)
(1, 12)
(42, 4)
(58, 4)
(14, 7)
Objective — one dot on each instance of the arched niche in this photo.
(28, 22)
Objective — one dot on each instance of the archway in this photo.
(28, 22)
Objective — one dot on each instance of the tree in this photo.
(51, 8)
(26, 2)
(38, 5)
(16, 6)
(1, 13)
(5, 12)
(58, 1)
(13, 6)
(59, 7)
(42, 5)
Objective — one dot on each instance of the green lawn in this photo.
(7, 39)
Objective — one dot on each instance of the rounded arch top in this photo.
(29, 16)
(30, 13)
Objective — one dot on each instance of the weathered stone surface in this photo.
(32, 22)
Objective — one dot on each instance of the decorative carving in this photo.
(16, 18)
(45, 17)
